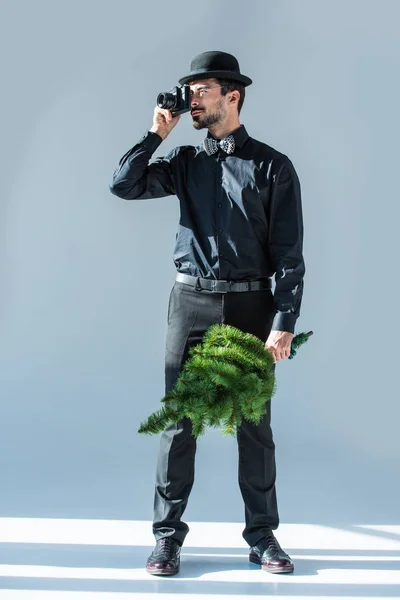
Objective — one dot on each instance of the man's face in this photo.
(208, 107)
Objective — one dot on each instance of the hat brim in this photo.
(204, 74)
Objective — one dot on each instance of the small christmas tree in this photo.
(228, 377)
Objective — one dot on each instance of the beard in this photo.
(205, 120)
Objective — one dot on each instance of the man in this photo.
(240, 223)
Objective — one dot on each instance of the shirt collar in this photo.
(240, 134)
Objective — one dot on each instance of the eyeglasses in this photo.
(203, 91)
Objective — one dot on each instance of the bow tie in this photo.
(212, 145)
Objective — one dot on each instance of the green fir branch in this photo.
(227, 378)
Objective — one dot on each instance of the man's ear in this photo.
(234, 98)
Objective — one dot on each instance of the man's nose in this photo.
(194, 102)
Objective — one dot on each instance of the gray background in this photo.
(85, 276)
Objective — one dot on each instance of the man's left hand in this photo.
(278, 344)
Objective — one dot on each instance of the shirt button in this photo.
(220, 230)
(219, 205)
(221, 255)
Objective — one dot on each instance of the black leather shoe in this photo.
(268, 553)
(165, 558)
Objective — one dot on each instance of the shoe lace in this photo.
(166, 544)
(271, 543)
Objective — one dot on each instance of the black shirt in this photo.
(240, 214)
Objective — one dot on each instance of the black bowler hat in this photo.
(219, 65)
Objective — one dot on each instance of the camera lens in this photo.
(166, 100)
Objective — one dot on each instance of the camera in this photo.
(177, 100)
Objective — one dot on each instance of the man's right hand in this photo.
(163, 122)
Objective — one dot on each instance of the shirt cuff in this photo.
(284, 322)
(151, 141)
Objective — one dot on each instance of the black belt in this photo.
(223, 286)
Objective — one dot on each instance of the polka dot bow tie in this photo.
(227, 144)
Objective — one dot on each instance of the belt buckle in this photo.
(213, 284)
